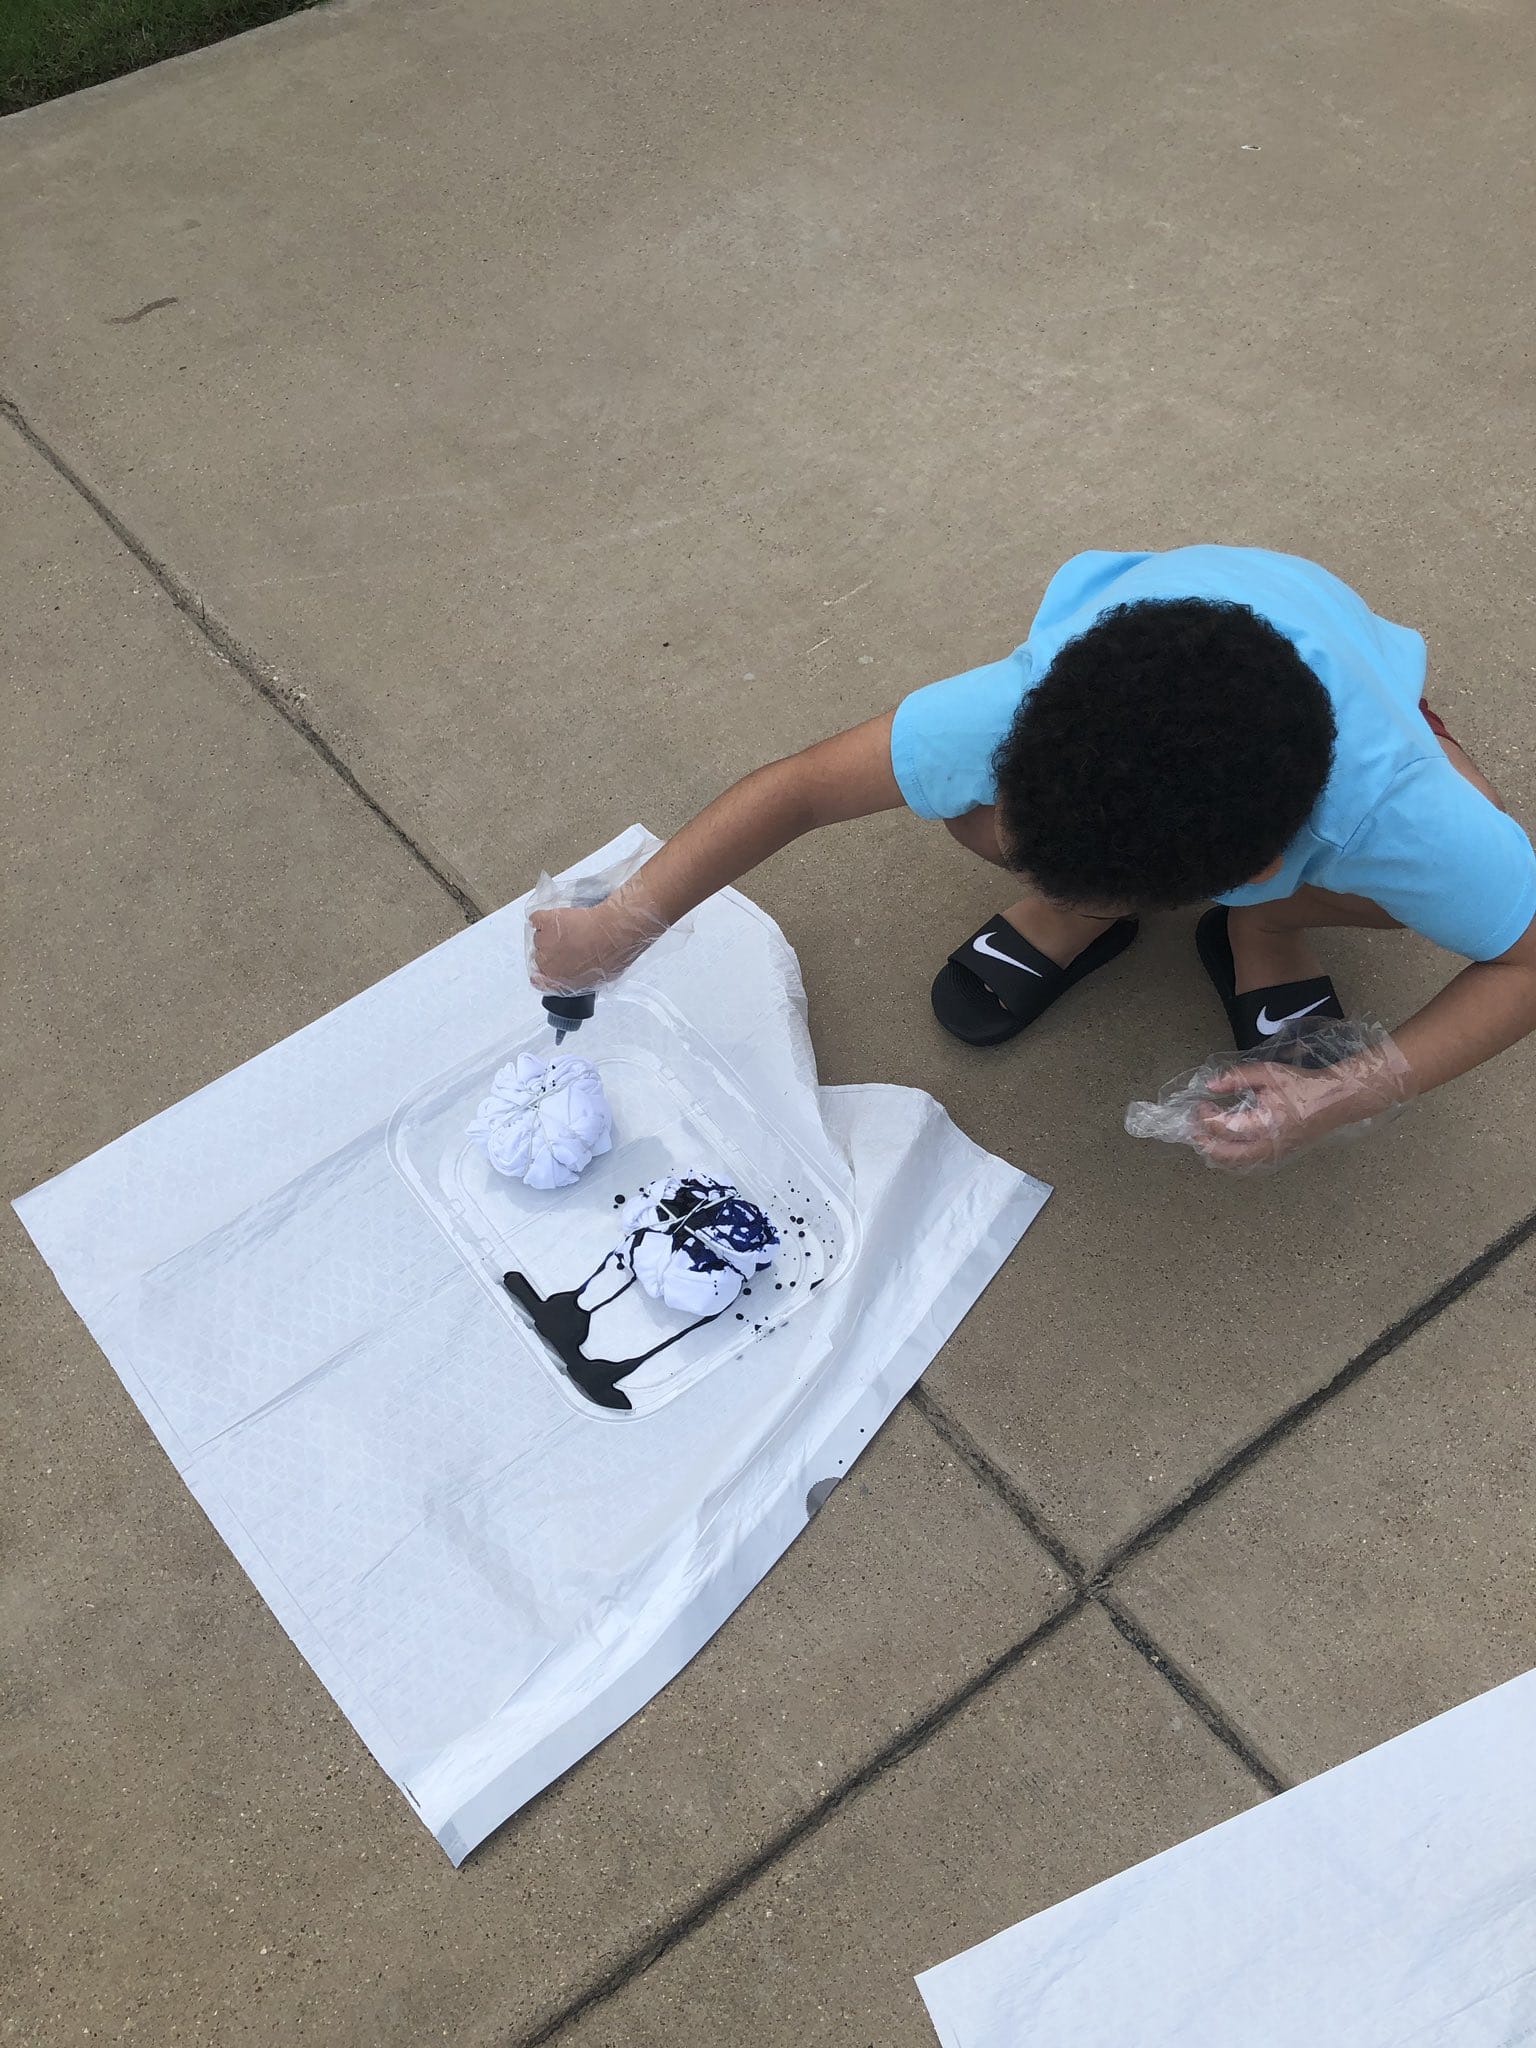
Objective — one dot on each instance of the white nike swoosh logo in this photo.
(1269, 1027)
(985, 947)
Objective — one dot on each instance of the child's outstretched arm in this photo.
(847, 776)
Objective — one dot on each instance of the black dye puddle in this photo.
(565, 1326)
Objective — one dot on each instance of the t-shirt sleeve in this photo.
(944, 737)
(1443, 860)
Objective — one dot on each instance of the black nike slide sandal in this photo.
(1259, 1015)
(997, 982)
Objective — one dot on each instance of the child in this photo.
(1211, 722)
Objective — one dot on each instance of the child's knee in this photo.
(976, 831)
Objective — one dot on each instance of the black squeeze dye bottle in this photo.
(569, 1013)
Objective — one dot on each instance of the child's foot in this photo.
(1059, 934)
(1268, 981)
(1003, 977)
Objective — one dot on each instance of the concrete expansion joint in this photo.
(285, 698)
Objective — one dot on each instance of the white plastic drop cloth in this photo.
(1390, 1903)
(297, 1273)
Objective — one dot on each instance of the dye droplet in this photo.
(740, 1317)
(618, 1201)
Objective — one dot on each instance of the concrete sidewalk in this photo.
(438, 433)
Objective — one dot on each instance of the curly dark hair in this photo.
(1168, 754)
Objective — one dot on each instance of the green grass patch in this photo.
(48, 47)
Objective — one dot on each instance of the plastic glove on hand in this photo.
(582, 934)
(1253, 1114)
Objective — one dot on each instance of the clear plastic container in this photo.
(677, 1108)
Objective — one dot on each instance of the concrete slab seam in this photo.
(1095, 1586)
(1193, 1694)
(1286, 1424)
(964, 1446)
(888, 1758)
(256, 674)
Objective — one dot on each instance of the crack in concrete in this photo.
(128, 319)
(1286, 1424)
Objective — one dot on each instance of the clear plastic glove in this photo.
(1252, 1112)
(584, 932)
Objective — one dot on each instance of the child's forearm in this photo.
(848, 776)
(1489, 1007)
(743, 826)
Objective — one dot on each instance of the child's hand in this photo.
(1262, 1112)
(1247, 1114)
(1258, 1115)
(570, 949)
(576, 949)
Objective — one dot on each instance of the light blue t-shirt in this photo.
(1396, 822)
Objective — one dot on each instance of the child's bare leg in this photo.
(1269, 940)
(1059, 933)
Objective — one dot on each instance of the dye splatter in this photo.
(708, 1226)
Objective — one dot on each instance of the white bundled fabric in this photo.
(1389, 1901)
(489, 1573)
(695, 1242)
(544, 1121)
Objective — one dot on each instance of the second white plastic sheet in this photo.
(1388, 1903)
(295, 1274)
